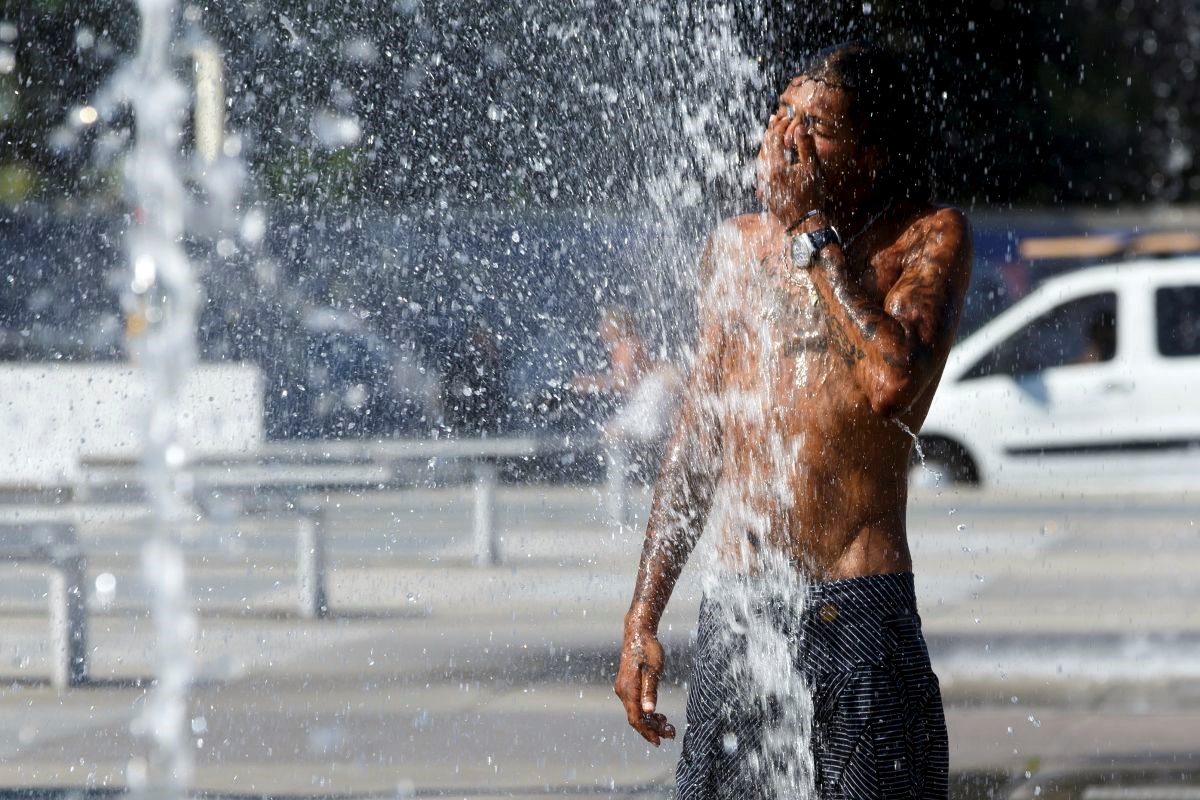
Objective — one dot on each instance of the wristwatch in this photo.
(805, 246)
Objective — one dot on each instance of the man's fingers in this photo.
(661, 726)
(778, 154)
(628, 689)
(806, 149)
(632, 712)
(647, 730)
(789, 133)
(637, 686)
(654, 728)
(649, 690)
(772, 146)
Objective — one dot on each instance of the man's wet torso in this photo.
(808, 467)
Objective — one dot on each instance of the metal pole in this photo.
(487, 545)
(310, 563)
(617, 477)
(209, 111)
(68, 614)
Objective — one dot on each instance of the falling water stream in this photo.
(163, 296)
(933, 475)
(761, 616)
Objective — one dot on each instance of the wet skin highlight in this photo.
(788, 434)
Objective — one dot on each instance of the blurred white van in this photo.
(1091, 382)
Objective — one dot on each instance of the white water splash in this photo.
(162, 307)
(772, 688)
(746, 518)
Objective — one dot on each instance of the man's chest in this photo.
(792, 321)
(787, 316)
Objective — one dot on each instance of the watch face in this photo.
(802, 250)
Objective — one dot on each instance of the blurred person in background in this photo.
(1101, 343)
(640, 393)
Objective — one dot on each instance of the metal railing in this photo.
(55, 544)
(295, 469)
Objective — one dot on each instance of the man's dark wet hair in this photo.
(887, 105)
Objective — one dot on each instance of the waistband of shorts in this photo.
(894, 590)
(874, 594)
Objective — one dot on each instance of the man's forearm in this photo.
(879, 349)
(682, 500)
(860, 328)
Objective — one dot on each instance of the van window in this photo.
(1081, 331)
(1178, 311)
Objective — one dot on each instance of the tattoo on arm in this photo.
(841, 342)
(860, 316)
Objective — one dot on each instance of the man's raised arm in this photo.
(896, 347)
(683, 497)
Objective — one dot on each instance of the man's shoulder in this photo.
(746, 223)
(943, 229)
(943, 220)
(736, 231)
(729, 243)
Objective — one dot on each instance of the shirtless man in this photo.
(834, 309)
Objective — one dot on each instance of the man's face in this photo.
(822, 112)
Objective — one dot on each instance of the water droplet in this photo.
(334, 131)
(106, 584)
(175, 455)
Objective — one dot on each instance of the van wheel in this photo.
(946, 463)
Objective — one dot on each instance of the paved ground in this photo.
(1064, 630)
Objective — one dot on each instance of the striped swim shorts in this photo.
(837, 701)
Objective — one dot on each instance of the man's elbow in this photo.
(892, 392)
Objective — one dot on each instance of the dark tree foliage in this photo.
(54, 56)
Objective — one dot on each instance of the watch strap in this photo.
(807, 216)
(822, 238)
